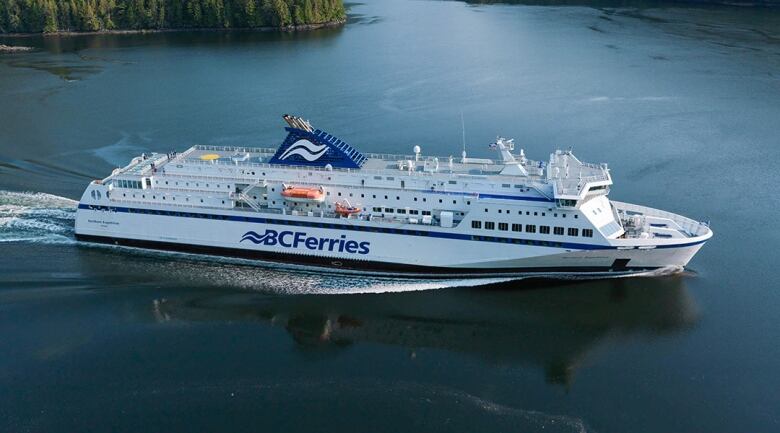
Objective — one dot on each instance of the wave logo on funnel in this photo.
(306, 150)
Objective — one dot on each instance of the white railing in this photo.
(389, 157)
(235, 149)
(246, 199)
(692, 227)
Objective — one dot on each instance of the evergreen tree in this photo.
(93, 15)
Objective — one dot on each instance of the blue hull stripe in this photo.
(424, 233)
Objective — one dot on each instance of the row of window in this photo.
(400, 211)
(132, 184)
(517, 241)
(398, 197)
(531, 228)
(528, 213)
(164, 197)
(196, 184)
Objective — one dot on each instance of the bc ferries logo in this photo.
(306, 150)
(290, 239)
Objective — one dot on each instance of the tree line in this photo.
(47, 16)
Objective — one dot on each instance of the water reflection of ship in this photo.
(555, 327)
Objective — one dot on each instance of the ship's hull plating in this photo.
(299, 243)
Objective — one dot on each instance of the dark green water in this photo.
(683, 103)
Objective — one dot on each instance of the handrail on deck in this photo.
(691, 226)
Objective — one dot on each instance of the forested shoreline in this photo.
(58, 16)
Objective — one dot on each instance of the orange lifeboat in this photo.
(304, 194)
(345, 209)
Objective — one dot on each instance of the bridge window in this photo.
(490, 225)
(476, 224)
(377, 209)
(389, 210)
(588, 233)
(503, 226)
(573, 231)
(530, 228)
(545, 230)
(401, 211)
(558, 231)
(517, 227)
(426, 212)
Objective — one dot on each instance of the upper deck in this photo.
(563, 177)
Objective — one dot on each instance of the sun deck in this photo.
(393, 164)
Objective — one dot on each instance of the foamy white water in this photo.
(36, 217)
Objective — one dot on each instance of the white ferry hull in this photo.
(380, 252)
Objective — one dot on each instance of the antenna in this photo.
(463, 131)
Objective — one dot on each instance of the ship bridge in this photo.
(573, 180)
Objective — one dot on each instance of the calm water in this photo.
(683, 103)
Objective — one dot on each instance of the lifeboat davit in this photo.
(345, 209)
(304, 194)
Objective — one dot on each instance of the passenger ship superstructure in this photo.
(316, 200)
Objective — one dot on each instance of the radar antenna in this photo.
(463, 135)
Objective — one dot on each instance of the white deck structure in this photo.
(420, 214)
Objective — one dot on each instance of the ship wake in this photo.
(36, 217)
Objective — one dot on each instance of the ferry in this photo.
(317, 201)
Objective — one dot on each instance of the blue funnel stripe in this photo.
(316, 149)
